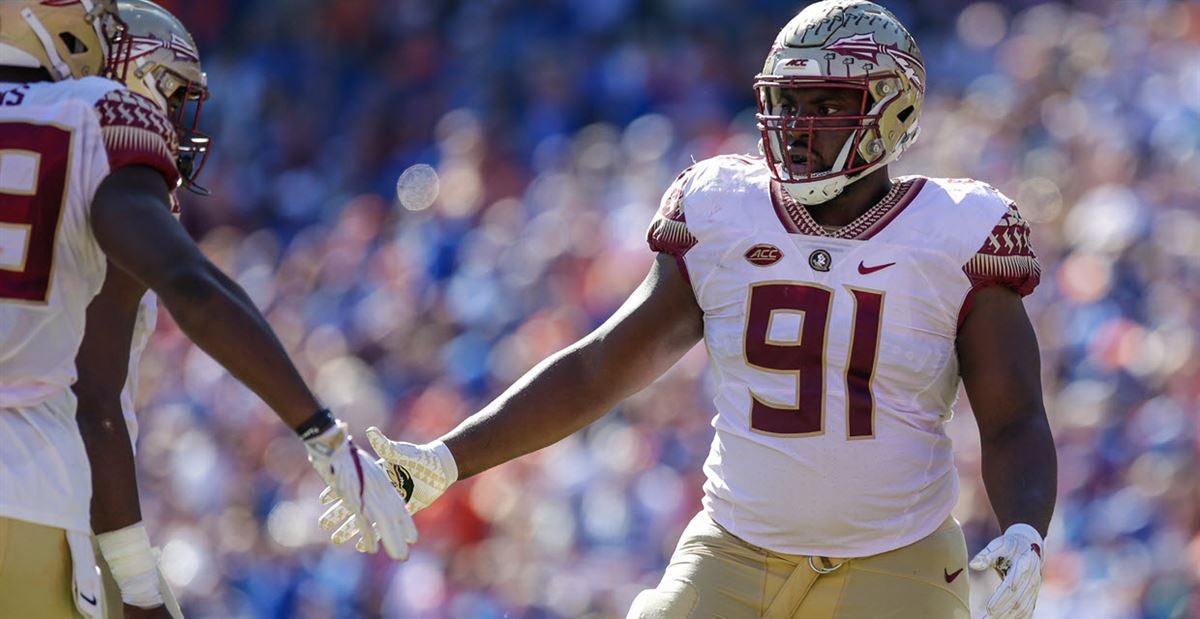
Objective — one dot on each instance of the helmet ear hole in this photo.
(903, 114)
(74, 44)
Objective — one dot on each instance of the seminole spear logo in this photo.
(865, 47)
(144, 46)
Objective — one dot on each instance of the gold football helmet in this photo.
(849, 44)
(164, 65)
(68, 38)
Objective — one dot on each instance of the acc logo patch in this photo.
(763, 255)
(820, 260)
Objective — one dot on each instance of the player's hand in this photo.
(365, 492)
(420, 474)
(158, 612)
(1017, 558)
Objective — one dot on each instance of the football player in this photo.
(163, 66)
(86, 173)
(841, 308)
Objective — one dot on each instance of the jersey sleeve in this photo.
(668, 233)
(1006, 258)
(136, 132)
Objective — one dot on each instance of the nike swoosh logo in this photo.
(866, 270)
(950, 577)
(89, 600)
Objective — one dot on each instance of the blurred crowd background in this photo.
(428, 197)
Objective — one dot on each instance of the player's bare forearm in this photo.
(216, 314)
(1001, 371)
(1020, 472)
(102, 364)
(654, 328)
(115, 503)
(545, 406)
(210, 308)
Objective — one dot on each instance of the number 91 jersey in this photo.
(833, 353)
(58, 142)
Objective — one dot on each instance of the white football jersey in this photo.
(833, 353)
(143, 328)
(58, 141)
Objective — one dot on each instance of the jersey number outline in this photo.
(34, 165)
(805, 358)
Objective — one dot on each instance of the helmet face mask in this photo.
(792, 135)
(833, 45)
(164, 66)
(120, 49)
(184, 107)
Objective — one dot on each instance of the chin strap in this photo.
(820, 192)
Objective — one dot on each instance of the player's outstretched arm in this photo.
(132, 223)
(1000, 367)
(658, 323)
(134, 226)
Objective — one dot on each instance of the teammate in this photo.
(86, 171)
(840, 308)
(164, 66)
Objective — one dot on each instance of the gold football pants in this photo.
(715, 574)
(35, 572)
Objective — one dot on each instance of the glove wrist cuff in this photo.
(320, 422)
(1025, 531)
(329, 440)
(449, 466)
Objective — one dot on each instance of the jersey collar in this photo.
(796, 219)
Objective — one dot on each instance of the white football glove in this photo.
(364, 490)
(1017, 558)
(420, 474)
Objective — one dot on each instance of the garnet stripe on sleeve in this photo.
(669, 235)
(1005, 259)
(136, 132)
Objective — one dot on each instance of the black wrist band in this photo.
(321, 421)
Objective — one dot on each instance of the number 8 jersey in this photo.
(58, 141)
(832, 353)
